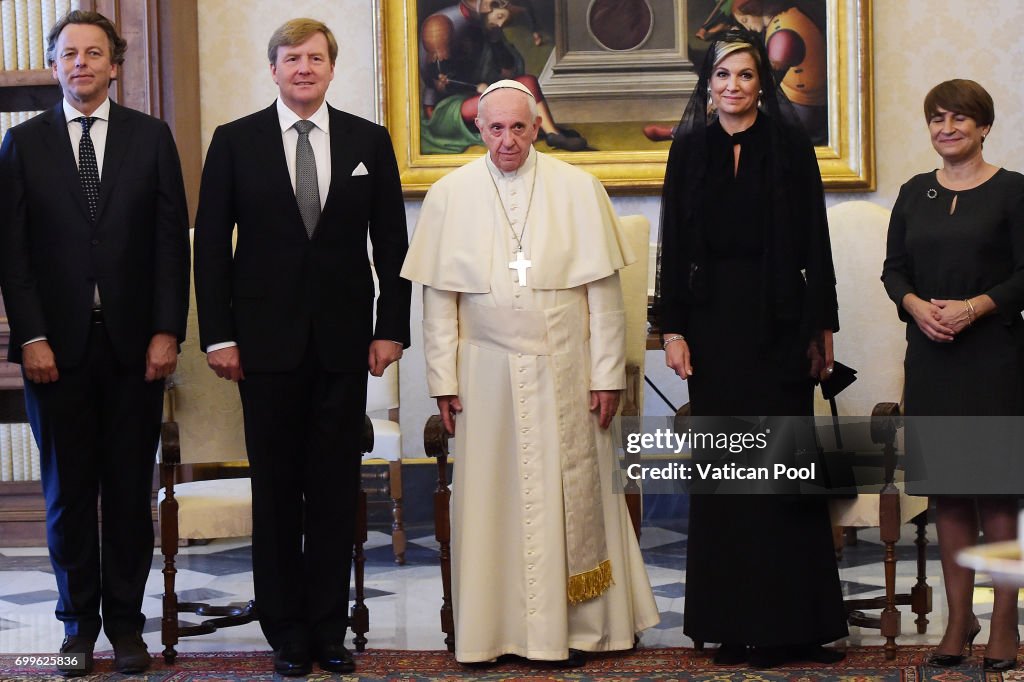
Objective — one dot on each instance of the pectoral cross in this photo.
(520, 265)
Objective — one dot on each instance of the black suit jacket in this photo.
(53, 256)
(282, 290)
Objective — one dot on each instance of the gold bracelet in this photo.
(674, 337)
(971, 314)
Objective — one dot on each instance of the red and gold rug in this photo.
(862, 664)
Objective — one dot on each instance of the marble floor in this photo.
(404, 600)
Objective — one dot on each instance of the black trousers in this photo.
(97, 429)
(302, 433)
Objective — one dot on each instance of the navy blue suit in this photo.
(97, 426)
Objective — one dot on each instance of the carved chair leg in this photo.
(435, 444)
(398, 539)
(837, 542)
(921, 592)
(889, 527)
(169, 548)
(443, 533)
(360, 616)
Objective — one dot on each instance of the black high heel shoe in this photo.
(952, 660)
(1001, 665)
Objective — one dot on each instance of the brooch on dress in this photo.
(932, 193)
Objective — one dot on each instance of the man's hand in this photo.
(38, 362)
(226, 363)
(382, 354)
(448, 406)
(605, 404)
(161, 356)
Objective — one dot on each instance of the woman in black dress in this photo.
(954, 268)
(747, 305)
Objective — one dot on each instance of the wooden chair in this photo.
(873, 342)
(203, 425)
(633, 279)
(382, 406)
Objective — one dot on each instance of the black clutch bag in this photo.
(842, 376)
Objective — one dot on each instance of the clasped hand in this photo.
(938, 319)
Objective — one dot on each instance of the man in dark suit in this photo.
(94, 270)
(289, 316)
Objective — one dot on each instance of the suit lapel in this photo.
(60, 145)
(343, 159)
(269, 139)
(120, 131)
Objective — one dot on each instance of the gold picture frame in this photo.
(847, 160)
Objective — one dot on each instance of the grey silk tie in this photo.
(88, 170)
(307, 186)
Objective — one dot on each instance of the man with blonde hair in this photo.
(289, 316)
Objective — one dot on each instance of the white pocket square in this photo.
(360, 170)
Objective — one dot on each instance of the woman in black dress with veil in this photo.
(747, 305)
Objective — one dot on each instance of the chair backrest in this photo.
(633, 278)
(382, 391)
(206, 407)
(872, 339)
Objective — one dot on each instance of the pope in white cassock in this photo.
(524, 338)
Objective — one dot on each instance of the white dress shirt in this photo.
(98, 130)
(319, 139)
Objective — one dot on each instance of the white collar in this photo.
(286, 117)
(102, 111)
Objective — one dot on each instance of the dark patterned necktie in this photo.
(307, 185)
(88, 170)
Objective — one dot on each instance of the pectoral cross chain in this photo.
(520, 265)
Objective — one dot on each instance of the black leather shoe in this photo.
(577, 659)
(81, 663)
(1000, 665)
(292, 660)
(729, 653)
(335, 658)
(953, 660)
(130, 654)
(763, 657)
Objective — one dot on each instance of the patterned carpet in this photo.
(862, 664)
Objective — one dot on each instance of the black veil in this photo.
(793, 169)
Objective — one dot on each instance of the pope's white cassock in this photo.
(544, 557)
